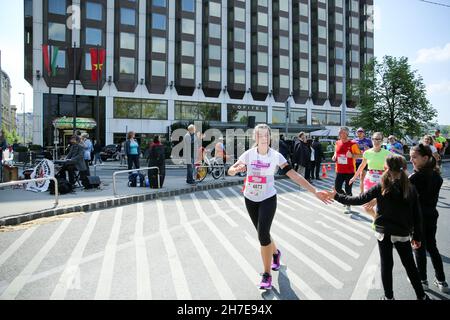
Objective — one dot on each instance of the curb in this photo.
(114, 202)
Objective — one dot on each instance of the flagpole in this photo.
(74, 89)
(50, 87)
(98, 97)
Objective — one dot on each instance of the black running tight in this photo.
(262, 214)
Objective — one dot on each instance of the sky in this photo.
(410, 28)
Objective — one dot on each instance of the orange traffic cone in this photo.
(329, 167)
(324, 172)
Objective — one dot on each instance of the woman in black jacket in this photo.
(156, 158)
(398, 222)
(428, 182)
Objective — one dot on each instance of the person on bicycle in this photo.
(220, 153)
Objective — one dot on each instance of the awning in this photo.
(81, 123)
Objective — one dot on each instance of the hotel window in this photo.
(284, 81)
(126, 65)
(284, 6)
(158, 45)
(322, 14)
(239, 55)
(127, 40)
(355, 56)
(239, 76)
(262, 19)
(340, 53)
(322, 86)
(355, 5)
(339, 36)
(197, 111)
(322, 32)
(284, 62)
(339, 89)
(187, 26)
(187, 71)
(322, 67)
(304, 11)
(304, 28)
(214, 31)
(215, 9)
(322, 50)
(338, 3)
(355, 23)
(158, 21)
(355, 73)
(284, 43)
(57, 7)
(56, 31)
(214, 74)
(339, 18)
(339, 70)
(127, 16)
(93, 36)
(159, 3)
(87, 65)
(158, 68)
(263, 59)
(239, 14)
(214, 52)
(188, 5)
(304, 65)
(263, 79)
(187, 48)
(263, 39)
(61, 59)
(355, 39)
(369, 43)
(239, 35)
(304, 84)
(94, 11)
(262, 3)
(304, 46)
(284, 23)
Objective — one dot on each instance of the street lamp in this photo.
(23, 94)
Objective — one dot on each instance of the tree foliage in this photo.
(393, 99)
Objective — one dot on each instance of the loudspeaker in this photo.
(90, 182)
(251, 122)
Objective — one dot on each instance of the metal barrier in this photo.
(13, 183)
(132, 170)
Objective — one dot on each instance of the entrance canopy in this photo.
(81, 123)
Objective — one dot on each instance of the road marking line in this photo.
(219, 211)
(215, 274)
(144, 291)
(72, 269)
(361, 291)
(348, 238)
(106, 274)
(295, 279)
(179, 279)
(183, 216)
(309, 262)
(16, 245)
(20, 281)
(240, 260)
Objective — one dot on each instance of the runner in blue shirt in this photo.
(363, 144)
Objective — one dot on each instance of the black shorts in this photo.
(357, 167)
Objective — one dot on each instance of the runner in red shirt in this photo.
(346, 151)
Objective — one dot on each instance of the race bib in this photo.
(342, 159)
(256, 187)
(374, 177)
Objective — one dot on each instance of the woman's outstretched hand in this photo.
(324, 197)
(331, 194)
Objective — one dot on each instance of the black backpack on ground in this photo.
(136, 180)
(91, 182)
(64, 186)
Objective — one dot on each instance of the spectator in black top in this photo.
(156, 158)
(302, 154)
(318, 157)
(428, 182)
(398, 218)
(97, 149)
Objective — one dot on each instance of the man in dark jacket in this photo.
(76, 157)
(156, 158)
(318, 157)
(302, 153)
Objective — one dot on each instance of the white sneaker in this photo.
(443, 286)
(348, 210)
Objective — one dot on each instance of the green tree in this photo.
(392, 99)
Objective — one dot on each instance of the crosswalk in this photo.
(195, 246)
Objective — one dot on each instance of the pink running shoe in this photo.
(266, 282)
(276, 261)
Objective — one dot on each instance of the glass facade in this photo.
(125, 108)
(240, 113)
(197, 111)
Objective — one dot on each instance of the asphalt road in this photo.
(203, 246)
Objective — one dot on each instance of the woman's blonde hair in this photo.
(261, 126)
(130, 135)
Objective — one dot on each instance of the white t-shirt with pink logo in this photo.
(261, 169)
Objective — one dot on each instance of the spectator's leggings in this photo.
(340, 178)
(262, 214)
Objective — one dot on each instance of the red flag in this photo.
(97, 63)
(50, 61)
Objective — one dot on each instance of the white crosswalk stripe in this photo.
(106, 274)
(179, 279)
(144, 291)
(20, 281)
(215, 274)
(72, 268)
(16, 245)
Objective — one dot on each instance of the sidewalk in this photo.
(18, 205)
